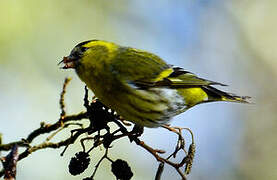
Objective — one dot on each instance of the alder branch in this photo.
(100, 117)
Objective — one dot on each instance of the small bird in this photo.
(140, 86)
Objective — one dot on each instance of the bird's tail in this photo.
(218, 95)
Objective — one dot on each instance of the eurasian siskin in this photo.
(139, 85)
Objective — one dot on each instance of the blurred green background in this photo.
(230, 41)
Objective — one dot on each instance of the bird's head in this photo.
(92, 49)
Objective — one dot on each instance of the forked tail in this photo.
(217, 95)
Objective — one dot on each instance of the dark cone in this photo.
(121, 170)
(79, 163)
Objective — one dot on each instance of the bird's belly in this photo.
(151, 107)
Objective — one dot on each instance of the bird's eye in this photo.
(78, 52)
(83, 49)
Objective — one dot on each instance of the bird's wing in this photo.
(135, 65)
(175, 77)
(145, 70)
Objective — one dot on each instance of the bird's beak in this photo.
(68, 62)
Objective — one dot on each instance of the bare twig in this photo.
(9, 163)
(105, 156)
(62, 105)
(99, 117)
(159, 171)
